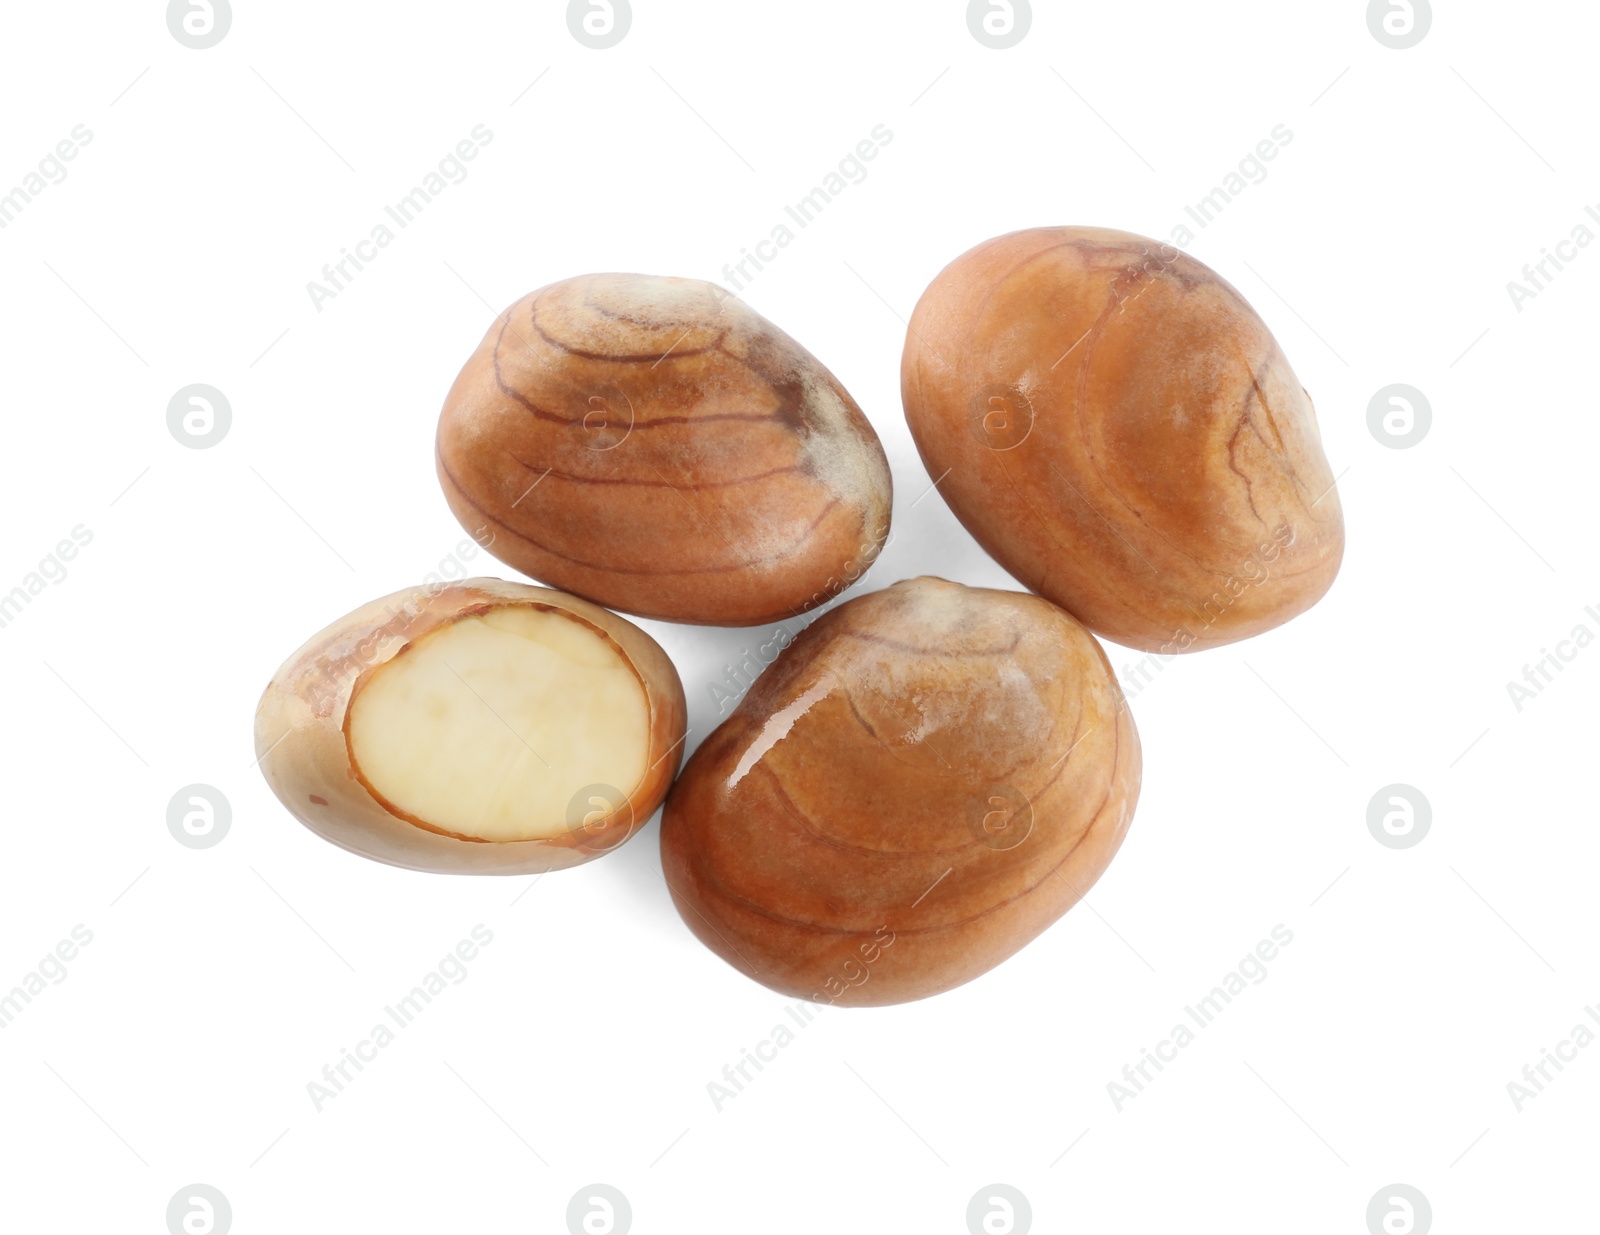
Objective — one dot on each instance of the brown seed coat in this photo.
(303, 751)
(944, 767)
(659, 447)
(1120, 430)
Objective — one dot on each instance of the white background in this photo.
(220, 981)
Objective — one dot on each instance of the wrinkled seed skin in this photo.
(914, 738)
(658, 447)
(1123, 434)
(302, 750)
